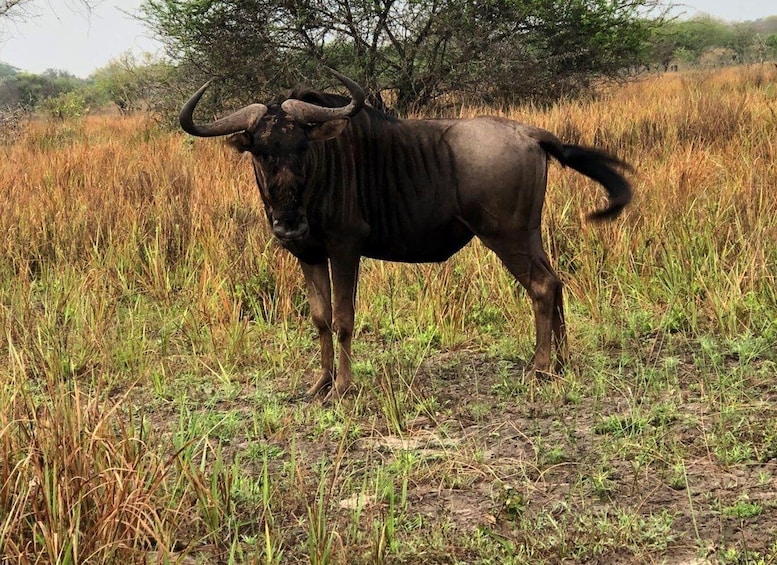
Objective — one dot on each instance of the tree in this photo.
(30, 90)
(128, 83)
(7, 70)
(19, 8)
(16, 10)
(706, 38)
(8, 6)
(419, 51)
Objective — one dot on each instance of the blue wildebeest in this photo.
(340, 181)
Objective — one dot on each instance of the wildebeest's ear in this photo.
(240, 141)
(326, 130)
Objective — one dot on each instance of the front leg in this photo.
(320, 299)
(345, 274)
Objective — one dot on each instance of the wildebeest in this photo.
(340, 180)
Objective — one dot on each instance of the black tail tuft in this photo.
(603, 168)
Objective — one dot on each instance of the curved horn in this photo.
(312, 114)
(243, 119)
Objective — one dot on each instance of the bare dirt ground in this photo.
(502, 468)
(513, 434)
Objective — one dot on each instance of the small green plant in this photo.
(479, 410)
(731, 449)
(394, 404)
(601, 482)
(320, 536)
(512, 502)
(384, 532)
(678, 478)
(551, 455)
(620, 426)
(742, 509)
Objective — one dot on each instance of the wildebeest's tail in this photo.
(601, 167)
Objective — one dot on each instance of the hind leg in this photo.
(559, 323)
(526, 260)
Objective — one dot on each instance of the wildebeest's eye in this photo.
(241, 141)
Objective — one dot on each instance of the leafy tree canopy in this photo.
(131, 84)
(419, 51)
(7, 70)
(689, 40)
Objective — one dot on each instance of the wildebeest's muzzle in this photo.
(288, 225)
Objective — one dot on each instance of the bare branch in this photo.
(7, 6)
(17, 9)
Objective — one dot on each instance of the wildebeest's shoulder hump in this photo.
(308, 94)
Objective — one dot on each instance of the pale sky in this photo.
(58, 38)
(72, 39)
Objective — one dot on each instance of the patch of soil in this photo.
(522, 462)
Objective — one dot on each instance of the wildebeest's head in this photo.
(277, 136)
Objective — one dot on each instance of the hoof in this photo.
(336, 393)
(540, 374)
(322, 386)
(319, 396)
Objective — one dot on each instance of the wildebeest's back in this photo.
(501, 173)
(407, 189)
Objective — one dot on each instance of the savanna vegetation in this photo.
(492, 51)
(156, 343)
(409, 56)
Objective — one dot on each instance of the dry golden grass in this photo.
(138, 260)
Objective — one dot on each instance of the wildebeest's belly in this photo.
(419, 245)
